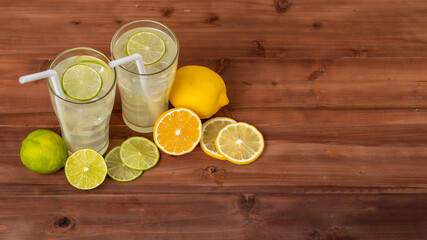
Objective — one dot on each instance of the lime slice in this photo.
(139, 153)
(117, 170)
(81, 82)
(150, 45)
(85, 169)
(95, 63)
(91, 61)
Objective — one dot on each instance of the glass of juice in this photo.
(145, 96)
(84, 106)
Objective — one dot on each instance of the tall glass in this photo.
(145, 96)
(84, 124)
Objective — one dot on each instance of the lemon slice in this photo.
(210, 131)
(85, 169)
(139, 153)
(177, 131)
(117, 170)
(240, 143)
(81, 82)
(148, 44)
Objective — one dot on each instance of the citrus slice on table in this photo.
(177, 131)
(148, 44)
(117, 170)
(210, 131)
(139, 153)
(240, 143)
(85, 169)
(81, 82)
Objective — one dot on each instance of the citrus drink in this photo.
(145, 96)
(85, 104)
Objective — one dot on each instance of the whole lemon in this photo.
(199, 89)
(43, 151)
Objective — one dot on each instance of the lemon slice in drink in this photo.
(148, 44)
(81, 82)
(210, 131)
(139, 153)
(240, 143)
(116, 168)
(85, 169)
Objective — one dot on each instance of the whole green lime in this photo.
(43, 151)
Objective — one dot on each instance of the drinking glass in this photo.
(84, 124)
(145, 97)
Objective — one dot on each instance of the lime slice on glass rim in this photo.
(116, 168)
(149, 45)
(91, 62)
(139, 153)
(85, 169)
(81, 82)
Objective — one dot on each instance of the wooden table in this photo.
(338, 88)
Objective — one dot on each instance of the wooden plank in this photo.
(337, 88)
(224, 29)
(365, 127)
(313, 147)
(214, 216)
(282, 164)
(349, 83)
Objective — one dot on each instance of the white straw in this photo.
(141, 69)
(56, 85)
(134, 57)
(42, 75)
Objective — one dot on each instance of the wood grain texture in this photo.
(218, 29)
(345, 83)
(236, 216)
(338, 89)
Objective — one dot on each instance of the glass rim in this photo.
(149, 21)
(74, 49)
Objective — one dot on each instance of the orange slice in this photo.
(177, 131)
